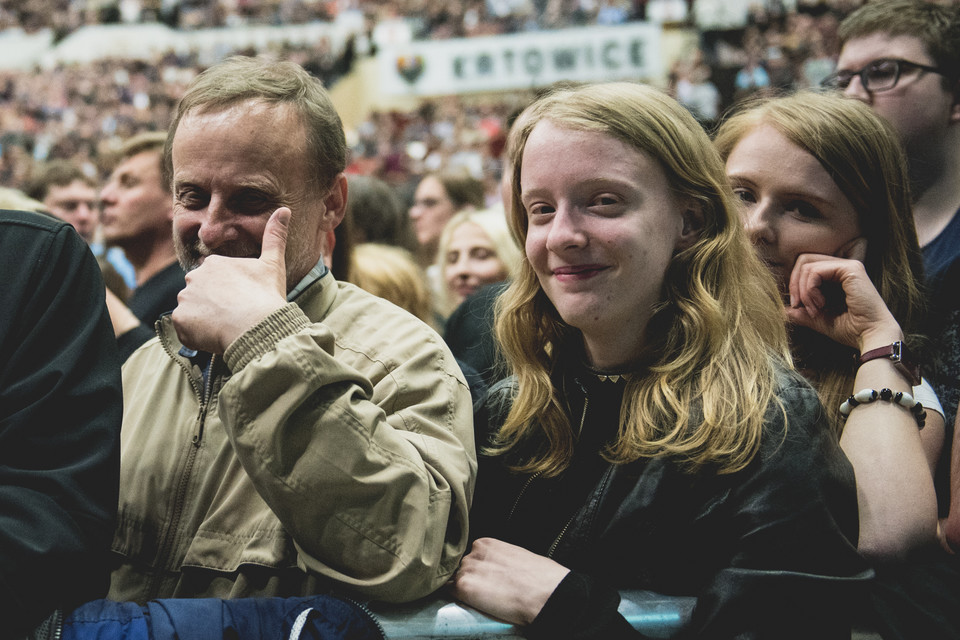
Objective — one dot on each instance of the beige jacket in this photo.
(338, 453)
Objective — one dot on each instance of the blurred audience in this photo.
(377, 213)
(438, 197)
(67, 193)
(137, 213)
(391, 273)
(475, 249)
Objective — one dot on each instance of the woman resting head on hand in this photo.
(652, 435)
(823, 192)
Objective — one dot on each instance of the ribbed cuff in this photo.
(285, 321)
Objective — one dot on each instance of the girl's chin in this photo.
(462, 294)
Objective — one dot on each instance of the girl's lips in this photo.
(577, 272)
(464, 289)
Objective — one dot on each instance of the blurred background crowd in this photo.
(83, 110)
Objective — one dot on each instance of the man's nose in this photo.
(216, 225)
(87, 211)
(857, 91)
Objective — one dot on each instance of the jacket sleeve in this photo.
(371, 473)
(581, 608)
(792, 567)
(60, 413)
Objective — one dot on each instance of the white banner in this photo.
(522, 61)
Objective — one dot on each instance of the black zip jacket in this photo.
(60, 413)
(769, 551)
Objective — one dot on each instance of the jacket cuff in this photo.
(580, 608)
(263, 337)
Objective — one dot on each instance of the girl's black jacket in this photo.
(769, 551)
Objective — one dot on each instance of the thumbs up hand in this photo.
(225, 297)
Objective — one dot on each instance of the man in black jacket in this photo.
(60, 413)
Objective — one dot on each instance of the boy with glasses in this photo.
(902, 57)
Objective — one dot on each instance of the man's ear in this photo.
(855, 249)
(328, 243)
(335, 203)
(693, 223)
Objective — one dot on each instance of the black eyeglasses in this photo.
(879, 75)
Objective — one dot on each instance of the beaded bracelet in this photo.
(902, 398)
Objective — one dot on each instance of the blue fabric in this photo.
(106, 620)
(213, 619)
(118, 260)
(941, 252)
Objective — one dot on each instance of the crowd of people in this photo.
(432, 18)
(523, 355)
(84, 111)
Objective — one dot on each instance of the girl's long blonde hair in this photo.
(718, 329)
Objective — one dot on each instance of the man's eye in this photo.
(882, 70)
(190, 199)
(252, 202)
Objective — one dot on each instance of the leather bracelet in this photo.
(902, 398)
(900, 356)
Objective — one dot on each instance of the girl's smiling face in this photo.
(602, 228)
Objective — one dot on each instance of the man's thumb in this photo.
(274, 244)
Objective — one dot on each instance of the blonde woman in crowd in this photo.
(475, 249)
(393, 274)
(653, 435)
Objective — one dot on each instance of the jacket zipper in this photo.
(522, 491)
(583, 418)
(166, 546)
(204, 403)
(366, 610)
(49, 629)
(556, 541)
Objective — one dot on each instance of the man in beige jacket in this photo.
(286, 434)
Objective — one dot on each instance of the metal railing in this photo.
(654, 615)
